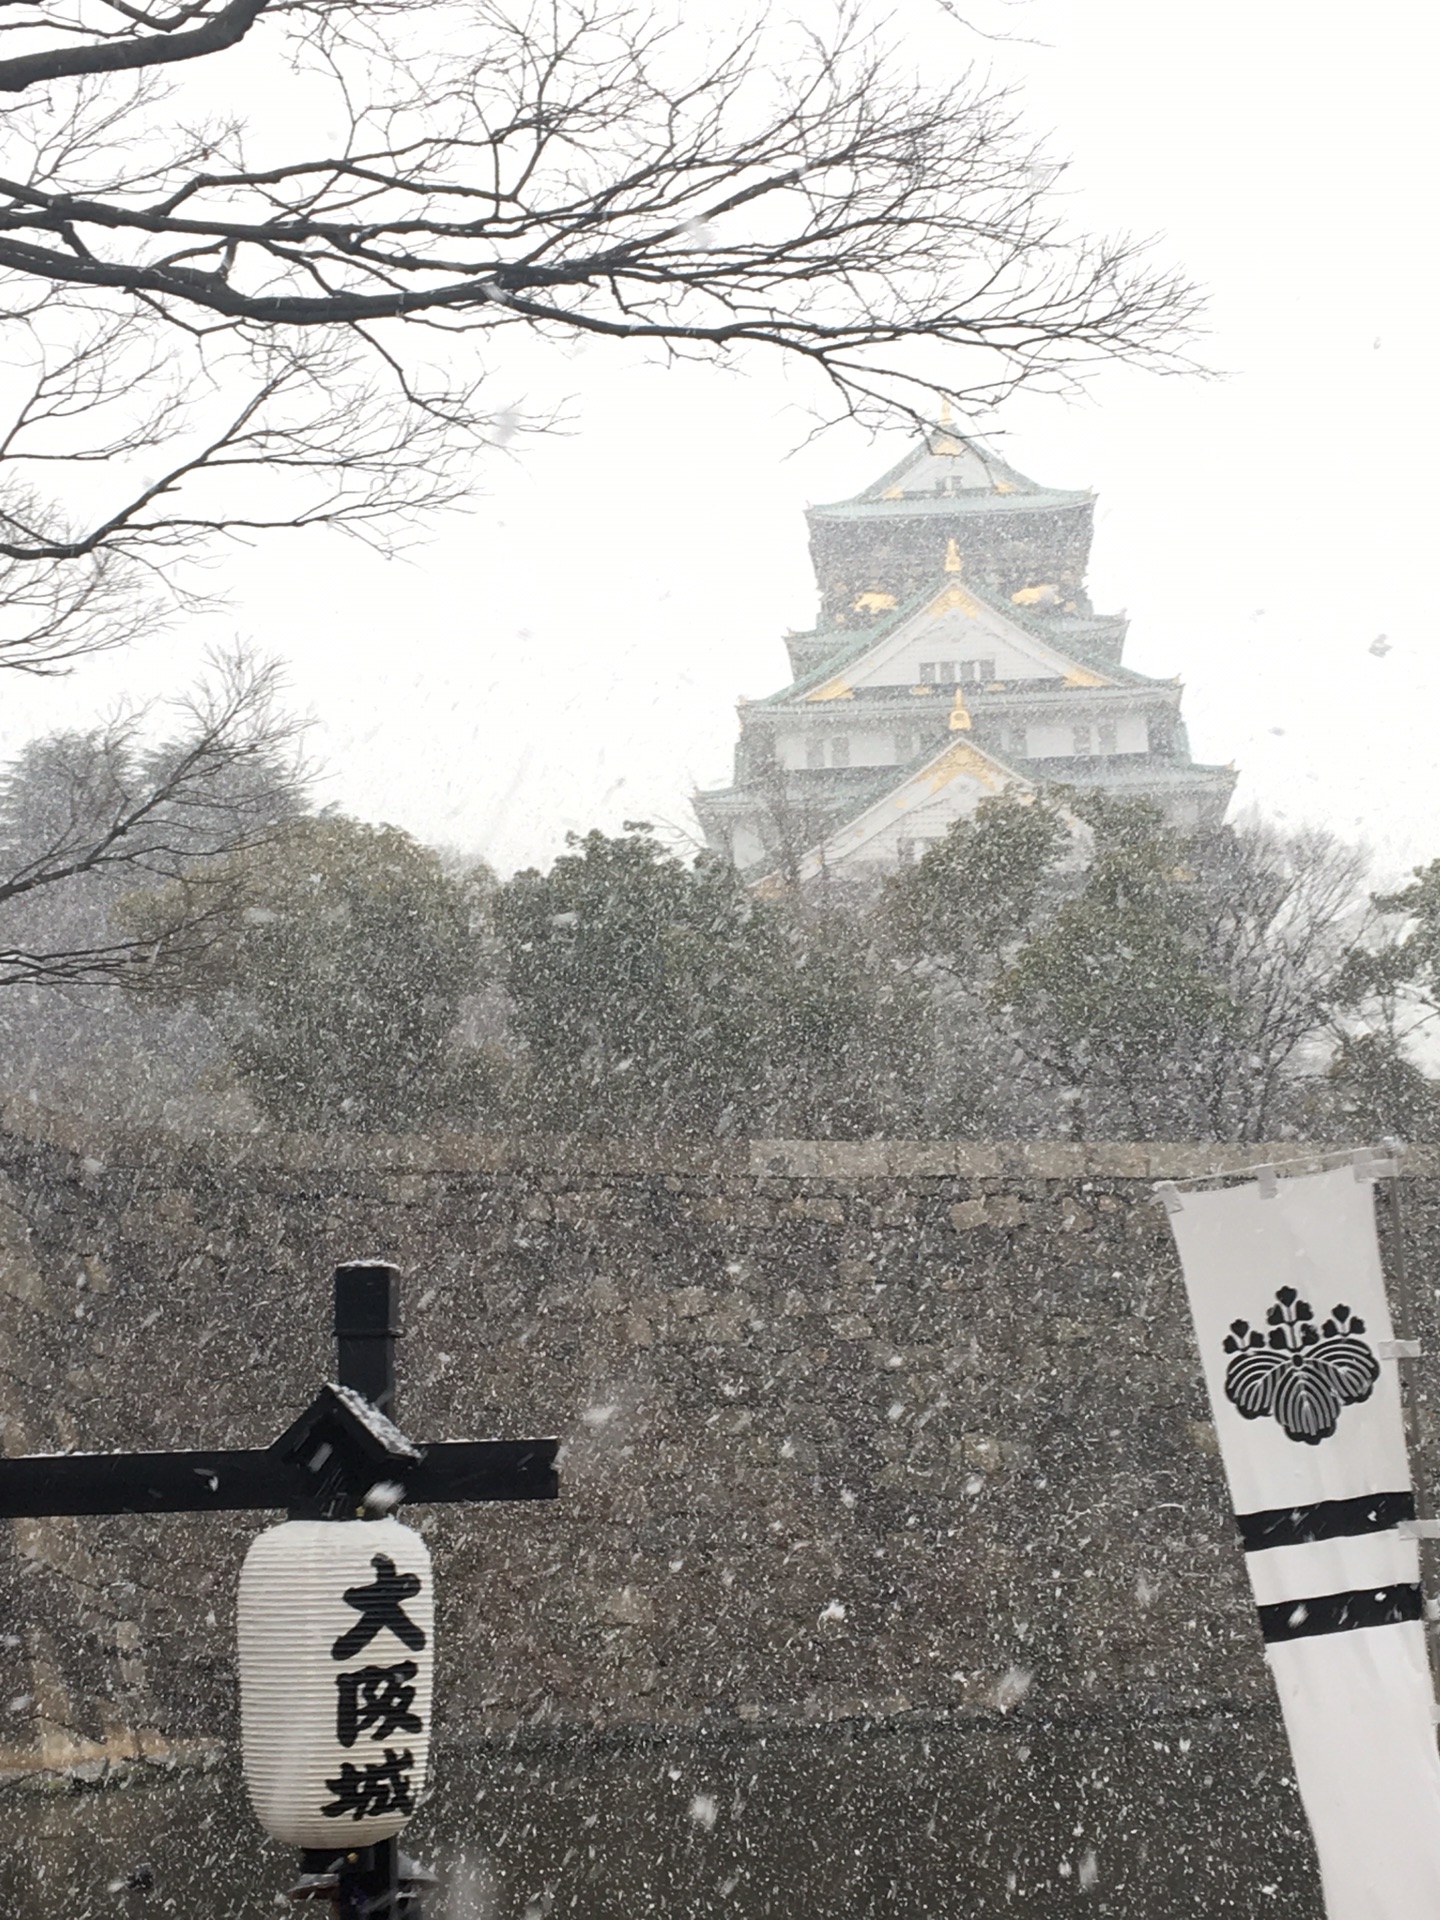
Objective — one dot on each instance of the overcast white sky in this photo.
(568, 652)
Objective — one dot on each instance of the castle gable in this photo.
(897, 827)
(955, 638)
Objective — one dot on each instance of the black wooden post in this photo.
(367, 1325)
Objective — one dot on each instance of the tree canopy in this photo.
(654, 995)
(1068, 965)
(1140, 980)
(338, 959)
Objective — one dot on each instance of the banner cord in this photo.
(1405, 1319)
(1370, 1163)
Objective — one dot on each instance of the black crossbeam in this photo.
(484, 1470)
(49, 1485)
(39, 1485)
(322, 1466)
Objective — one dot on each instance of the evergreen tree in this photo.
(654, 995)
(337, 960)
(1102, 970)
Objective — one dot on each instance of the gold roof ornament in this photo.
(960, 721)
(953, 600)
(953, 562)
(875, 603)
(961, 760)
(893, 493)
(945, 414)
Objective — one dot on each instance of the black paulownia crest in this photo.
(1303, 1374)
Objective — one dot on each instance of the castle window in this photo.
(840, 751)
(1017, 742)
(1105, 737)
(814, 753)
(937, 673)
(1082, 742)
(977, 671)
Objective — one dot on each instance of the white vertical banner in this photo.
(1288, 1300)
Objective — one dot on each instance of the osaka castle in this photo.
(955, 655)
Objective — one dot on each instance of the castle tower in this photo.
(956, 654)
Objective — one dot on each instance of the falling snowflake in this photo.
(1012, 1687)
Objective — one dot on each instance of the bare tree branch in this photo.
(87, 817)
(224, 28)
(229, 328)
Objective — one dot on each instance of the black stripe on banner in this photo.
(1341, 1612)
(1325, 1520)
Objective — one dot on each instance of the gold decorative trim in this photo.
(963, 759)
(954, 600)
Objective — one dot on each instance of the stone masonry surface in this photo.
(885, 1428)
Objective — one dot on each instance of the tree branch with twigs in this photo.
(88, 818)
(238, 328)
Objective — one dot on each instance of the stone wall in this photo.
(892, 1428)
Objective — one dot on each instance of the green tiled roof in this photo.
(950, 505)
(848, 647)
(994, 485)
(857, 642)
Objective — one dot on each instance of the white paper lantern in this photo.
(337, 1637)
